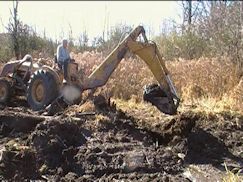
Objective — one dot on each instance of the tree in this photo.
(13, 29)
(116, 34)
(83, 41)
(189, 12)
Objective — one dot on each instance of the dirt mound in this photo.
(17, 120)
(106, 145)
(54, 140)
(112, 145)
(171, 129)
(119, 149)
(18, 163)
(217, 139)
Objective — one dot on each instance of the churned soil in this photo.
(109, 145)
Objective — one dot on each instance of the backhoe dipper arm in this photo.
(149, 53)
(101, 74)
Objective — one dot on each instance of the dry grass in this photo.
(210, 84)
(230, 176)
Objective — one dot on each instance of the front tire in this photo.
(42, 90)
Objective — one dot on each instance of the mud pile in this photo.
(111, 144)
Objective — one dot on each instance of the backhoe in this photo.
(43, 85)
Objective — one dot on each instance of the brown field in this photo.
(127, 139)
(209, 83)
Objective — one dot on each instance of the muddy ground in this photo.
(110, 145)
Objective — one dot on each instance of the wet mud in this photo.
(112, 145)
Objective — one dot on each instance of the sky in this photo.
(58, 17)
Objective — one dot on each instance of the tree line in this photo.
(209, 29)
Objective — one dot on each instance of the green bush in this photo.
(187, 46)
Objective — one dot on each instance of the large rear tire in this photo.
(5, 91)
(42, 90)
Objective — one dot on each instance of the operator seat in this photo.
(23, 71)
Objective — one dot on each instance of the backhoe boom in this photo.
(167, 101)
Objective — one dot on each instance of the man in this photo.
(63, 57)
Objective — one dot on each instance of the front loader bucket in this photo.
(158, 97)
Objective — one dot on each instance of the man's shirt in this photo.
(62, 54)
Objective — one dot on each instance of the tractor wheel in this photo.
(42, 90)
(5, 91)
